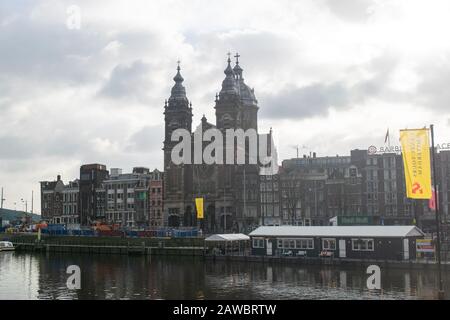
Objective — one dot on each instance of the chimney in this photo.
(58, 177)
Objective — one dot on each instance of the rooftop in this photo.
(338, 231)
(228, 237)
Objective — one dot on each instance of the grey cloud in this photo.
(16, 147)
(128, 81)
(267, 51)
(304, 102)
(316, 99)
(350, 10)
(433, 92)
(147, 139)
(48, 52)
(32, 49)
(33, 146)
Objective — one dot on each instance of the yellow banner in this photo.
(199, 206)
(416, 163)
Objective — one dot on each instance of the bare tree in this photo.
(292, 192)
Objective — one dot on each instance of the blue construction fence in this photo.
(61, 230)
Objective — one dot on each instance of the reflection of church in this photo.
(230, 192)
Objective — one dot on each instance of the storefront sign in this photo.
(354, 220)
(398, 149)
(424, 245)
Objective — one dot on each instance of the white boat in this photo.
(6, 246)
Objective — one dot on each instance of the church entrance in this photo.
(190, 220)
(210, 219)
(226, 222)
(174, 221)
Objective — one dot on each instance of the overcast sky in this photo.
(329, 75)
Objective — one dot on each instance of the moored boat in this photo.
(6, 246)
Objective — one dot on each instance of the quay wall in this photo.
(107, 245)
(186, 247)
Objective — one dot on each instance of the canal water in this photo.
(43, 276)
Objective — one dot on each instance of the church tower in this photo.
(228, 105)
(228, 116)
(246, 177)
(177, 182)
(237, 185)
(248, 100)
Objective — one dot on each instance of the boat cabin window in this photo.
(299, 243)
(362, 244)
(258, 243)
(329, 244)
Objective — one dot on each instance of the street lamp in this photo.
(25, 202)
(315, 197)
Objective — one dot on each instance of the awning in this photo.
(228, 237)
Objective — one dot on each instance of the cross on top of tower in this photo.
(178, 63)
(229, 55)
(237, 57)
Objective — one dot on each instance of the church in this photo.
(230, 191)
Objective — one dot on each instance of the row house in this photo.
(312, 190)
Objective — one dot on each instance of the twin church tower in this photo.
(230, 191)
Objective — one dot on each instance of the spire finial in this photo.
(229, 57)
(237, 57)
(178, 77)
(178, 91)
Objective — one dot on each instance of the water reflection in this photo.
(33, 276)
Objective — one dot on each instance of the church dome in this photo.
(247, 95)
(178, 90)
(229, 83)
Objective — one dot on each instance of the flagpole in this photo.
(387, 139)
(438, 239)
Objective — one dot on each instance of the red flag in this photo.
(432, 201)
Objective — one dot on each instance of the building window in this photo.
(304, 244)
(329, 244)
(362, 245)
(258, 243)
